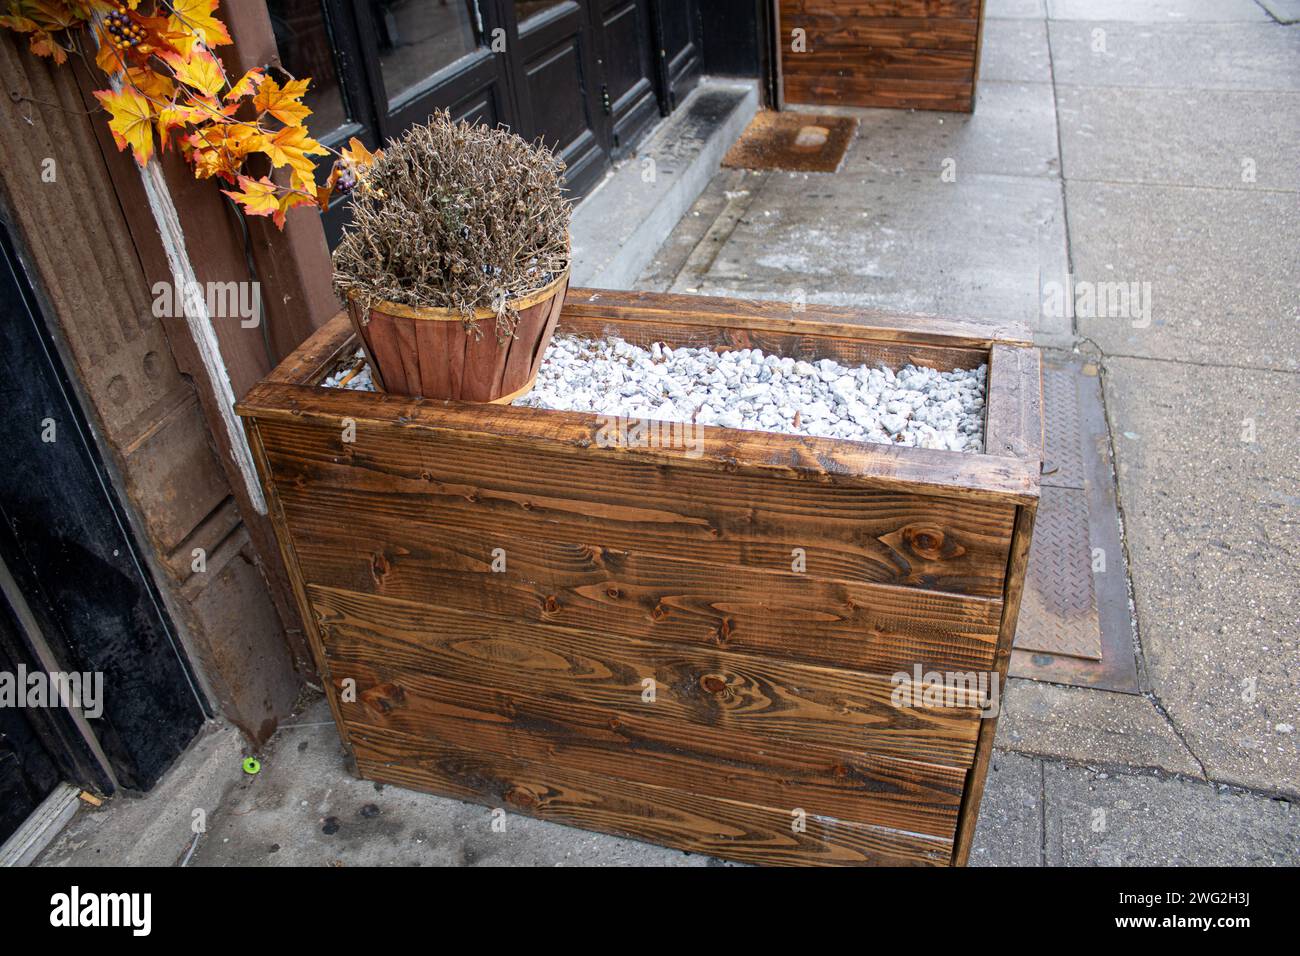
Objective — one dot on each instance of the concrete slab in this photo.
(1014, 9)
(1219, 138)
(1190, 56)
(1283, 11)
(725, 190)
(1208, 479)
(306, 809)
(900, 240)
(1096, 818)
(1088, 726)
(1012, 132)
(1158, 11)
(155, 829)
(1014, 51)
(1010, 827)
(617, 228)
(1220, 264)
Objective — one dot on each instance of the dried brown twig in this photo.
(456, 216)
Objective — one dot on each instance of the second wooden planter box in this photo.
(695, 646)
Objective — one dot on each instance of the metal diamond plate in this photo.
(1063, 465)
(1058, 613)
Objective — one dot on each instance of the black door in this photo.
(678, 29)
(68, 557)
(624, 39)
(556, 77)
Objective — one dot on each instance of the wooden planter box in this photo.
(527, 685)
(905, 54)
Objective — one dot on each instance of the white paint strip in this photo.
(199, 321)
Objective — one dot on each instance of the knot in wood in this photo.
(926, 542)
(713, 683)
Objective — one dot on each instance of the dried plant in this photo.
(456, 216)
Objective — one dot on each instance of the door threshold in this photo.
(41, 827)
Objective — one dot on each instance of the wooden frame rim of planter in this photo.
(432, 314)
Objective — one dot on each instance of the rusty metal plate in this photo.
(1058, 613)
(793, 142)
(1063, 456)
(1075, 625)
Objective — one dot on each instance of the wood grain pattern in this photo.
(480, 499)
(663, 815)
(707, 313)
(1014, 408)
(905, 55)
(508, 429)
(640, 747)
(699, 686)
(872, 628)
(1015, 587)
(857, 9)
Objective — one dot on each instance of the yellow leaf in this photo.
(132, 121)
(357, 154)
(289, 201)
(248, 84)
(200, 70)
(153, 85)
(197, 19)
(259, 197)
(282, 102)
(291, 147)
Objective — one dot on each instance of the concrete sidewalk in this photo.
(1142, 141)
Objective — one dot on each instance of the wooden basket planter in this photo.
(427, 352)
(616, 638)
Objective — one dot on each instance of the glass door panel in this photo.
(417, 39)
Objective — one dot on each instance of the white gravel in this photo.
(361, 382)
(914, 406)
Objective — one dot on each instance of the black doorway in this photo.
(75, 595)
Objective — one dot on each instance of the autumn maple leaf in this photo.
(292, 147)
(132, 122)
(198, 69)
(259, 197)
(197, 20)
(247, 84)
(282, 102)
(288, 201)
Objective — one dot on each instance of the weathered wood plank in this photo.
(697, 686)
(522, 685)
(664, 815)
(637, 746)
(847, 350)
(838, 322)
(837, 39)
(855, 9)
(880, 92)
(1015, 589)
(507, 429)
(486, 497)
(874, 628)
(312, 360)
(880, 54)
(1014, 407)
